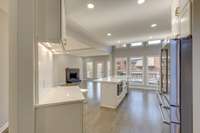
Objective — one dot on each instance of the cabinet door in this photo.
(49, 20)
(175, 19)
(186, 21)
(183, 3)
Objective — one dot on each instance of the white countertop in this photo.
(112, 79)
(61, 95)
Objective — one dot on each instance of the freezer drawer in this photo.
(175, 115)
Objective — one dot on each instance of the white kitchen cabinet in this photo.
(175, 18)
(183, 3)
(49, 20)
(60, 111)
(63, 118)
(113, 91)
(181, 18)
(112, 95)
(186, 19)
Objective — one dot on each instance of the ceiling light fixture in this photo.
(109, 34)
(154, 25)
(140, 2)
(90, 6)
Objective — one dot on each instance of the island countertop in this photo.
(61, 95)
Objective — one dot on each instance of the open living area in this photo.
(99, 66)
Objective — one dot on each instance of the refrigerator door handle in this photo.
(163, 117)
(175, 122)
(176, 106)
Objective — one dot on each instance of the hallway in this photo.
(138, 113)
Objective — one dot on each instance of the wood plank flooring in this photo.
(138, 113)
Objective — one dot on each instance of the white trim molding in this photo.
(22, 66)
(196, 66)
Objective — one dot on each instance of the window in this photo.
(136, 44)
(124, 45)
(100, 70)
(121, 46)
(136, 69)
(121, 66)
(154, 42)
(108, 69)
(153, 71)
(89, 66)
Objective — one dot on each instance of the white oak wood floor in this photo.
(138, 113)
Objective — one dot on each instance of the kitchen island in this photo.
(60, 111)
(113, 91)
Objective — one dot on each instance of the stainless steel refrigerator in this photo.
(176, 85)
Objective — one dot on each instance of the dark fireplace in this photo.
(72, 75)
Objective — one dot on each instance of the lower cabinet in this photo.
(63, 118)
(113, 93)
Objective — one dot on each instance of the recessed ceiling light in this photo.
(154, 25)
(109, 34)
(141, 2)
(91, 6)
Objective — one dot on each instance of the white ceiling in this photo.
(125, 19)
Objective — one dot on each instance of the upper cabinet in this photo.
(183, 3)
(186, 21)
(181, 18)
(49, 21)
(175, 19)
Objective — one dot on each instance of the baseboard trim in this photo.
(4, 128)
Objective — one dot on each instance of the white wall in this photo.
(45, 67)
(3, 63)
(60, 62)
(196, 66)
